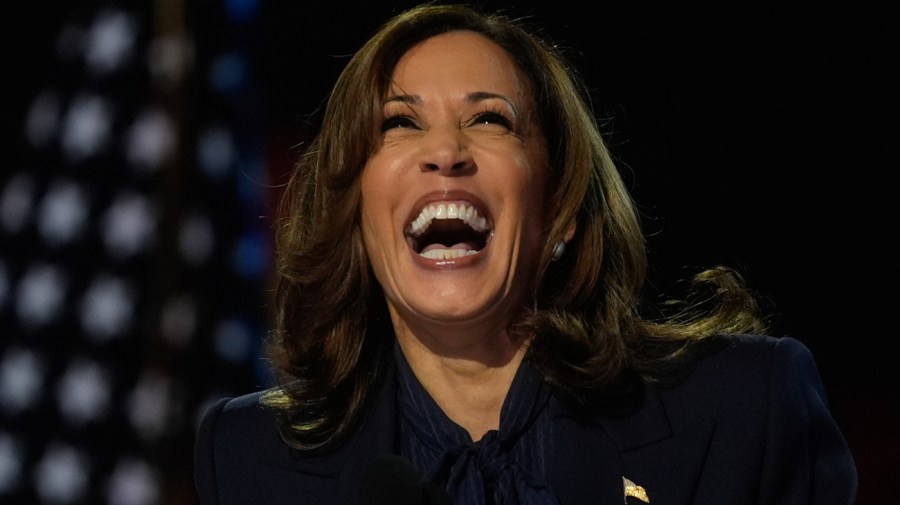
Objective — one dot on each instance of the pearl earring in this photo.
(559, 248)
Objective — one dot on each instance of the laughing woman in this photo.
(459, 313)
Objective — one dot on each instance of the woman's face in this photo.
(453, 199)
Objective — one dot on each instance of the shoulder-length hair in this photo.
(332, 329)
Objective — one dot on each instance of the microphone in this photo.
(394, 480)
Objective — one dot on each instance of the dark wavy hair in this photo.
(585, 330)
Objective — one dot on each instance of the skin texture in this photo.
(458, 127)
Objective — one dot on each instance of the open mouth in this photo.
(448, 230)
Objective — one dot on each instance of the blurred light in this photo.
(61, 476)
(152, 140)
(86, 127)
(11, 456)
(107, 307)
(178, 320)
(241, 11)
(129, 225)
(229, 73)
(250, 188)
(133, 482)
(42, 119)
(110, 41)
(63, 213)
(250, 258)
(233, 341)
(150, 405)
(16, 202)
(83, 392)
(40, 294)
(170, 57)
(216, 152)
(4, 283)
(21, 380)
(196, 241)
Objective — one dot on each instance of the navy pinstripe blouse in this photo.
(509, 466)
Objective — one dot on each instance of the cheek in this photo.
(368, 210)
(534, 210)
(375, 209)
(533, 188)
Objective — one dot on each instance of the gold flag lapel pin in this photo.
(635, 491)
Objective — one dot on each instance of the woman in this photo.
(459, 318)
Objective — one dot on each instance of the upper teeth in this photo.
(467, 213)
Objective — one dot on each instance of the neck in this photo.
(470, 383)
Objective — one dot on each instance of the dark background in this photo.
(760, 136)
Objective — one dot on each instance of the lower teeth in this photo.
(446, 254)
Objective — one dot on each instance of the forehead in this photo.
(459, 59)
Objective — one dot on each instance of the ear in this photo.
(570, 232)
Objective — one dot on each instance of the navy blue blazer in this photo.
(749, 425)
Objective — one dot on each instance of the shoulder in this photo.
(236, 422)
(241, 457)
(238, 443)
(235, 407)
(770, 405)
(745, 376)
(746, 356)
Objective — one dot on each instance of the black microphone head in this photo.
(393, 480)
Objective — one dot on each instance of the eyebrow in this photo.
(474, 97)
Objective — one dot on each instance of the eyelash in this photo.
(493, 116)
(397, 121)
(486, 116)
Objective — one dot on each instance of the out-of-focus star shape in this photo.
(178, 320)
(83, 392)
(107, 307)
(21, 379)
(62, 474)
(129, 224)
(151, 140)
(86, 127)
(110, 41)
(216, 152)
(232, 340)
(16, 202)
(40, 295)
(149, 406)
(63, 213)
(170, 57)
(196, 239)
(11, 457)
(133, 482)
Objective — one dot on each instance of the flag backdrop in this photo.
(134, 251)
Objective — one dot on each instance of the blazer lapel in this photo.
(670, 469)
(664, 462)
(586, 465)
(592, 457)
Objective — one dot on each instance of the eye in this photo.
(492, 118)
(398, 121)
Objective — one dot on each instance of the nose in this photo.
(445, 150)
